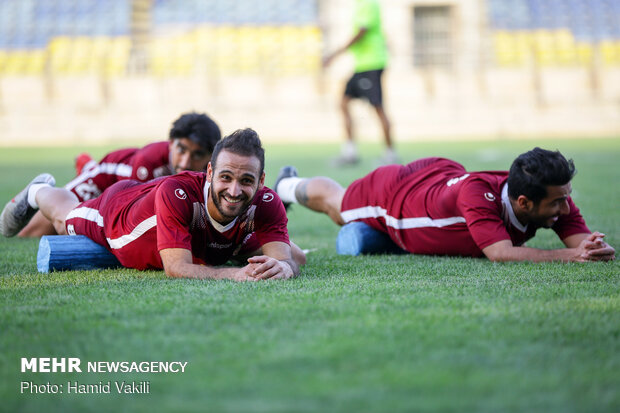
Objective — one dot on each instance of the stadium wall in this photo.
(458, 69)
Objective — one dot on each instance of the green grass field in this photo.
(364, 334)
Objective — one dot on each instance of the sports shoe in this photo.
(17, 212)
(285, 172)
(80, 162)
(345, 160)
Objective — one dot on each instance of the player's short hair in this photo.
(244, 142)
(198, 128)
(533, 171)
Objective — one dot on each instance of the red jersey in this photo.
(434, 206)
(135, 221)
(144, 164)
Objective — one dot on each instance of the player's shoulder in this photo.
(267, 200)
(155, 148)
(120, 155)
(192, 183)
(483, 188)
(492, 179)
(266, 197)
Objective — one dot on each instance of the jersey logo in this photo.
(456, 180)
(180, 193)
(87, 190)
(489, 196)
(142, 173)
(268, 197)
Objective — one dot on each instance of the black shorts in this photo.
(366, 85)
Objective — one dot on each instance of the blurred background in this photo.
(102, 71)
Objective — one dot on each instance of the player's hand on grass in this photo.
(266, 267)
(594, 248)
(243, 273)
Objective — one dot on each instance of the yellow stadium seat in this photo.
(3, 60)
(566, 52)
(584, 53)
(608, 52)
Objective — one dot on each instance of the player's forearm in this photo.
(358, 36)
(178, 263)
(533, 254)
(200, 272)
(592, 248)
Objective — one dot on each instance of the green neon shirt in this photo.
(370, 52)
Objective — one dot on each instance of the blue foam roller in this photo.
(76, 252)
(357, 238)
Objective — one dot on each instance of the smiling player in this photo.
(434, 206)
(192, 139)
(185, 224)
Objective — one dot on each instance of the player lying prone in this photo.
(186, 224)
(434, 206)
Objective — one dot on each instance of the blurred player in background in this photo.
(434, 206)
(186, 224)
(369, 51)
(191, 141)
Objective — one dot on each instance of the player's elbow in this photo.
(299, 257)
(172, 272)
(499, 252)
(495, 255)
(497, 258)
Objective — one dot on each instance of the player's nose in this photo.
(184, 161)
(234, 189)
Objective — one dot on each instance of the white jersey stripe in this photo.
(88, 214)
(137, 232)
(403, 223)
(119, 169)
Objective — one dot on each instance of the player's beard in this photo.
(243, 205)
(543, 221)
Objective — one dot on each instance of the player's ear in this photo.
(525, 203)
(209, 172)
(261, 182)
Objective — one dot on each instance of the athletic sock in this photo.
(32, 193)
(286, 189)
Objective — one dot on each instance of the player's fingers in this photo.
(597, 243)
(601, 252)
(263, 268)
(258, 259)
(284, 272)
(268, 274)
(605, 249)
(603, 258)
